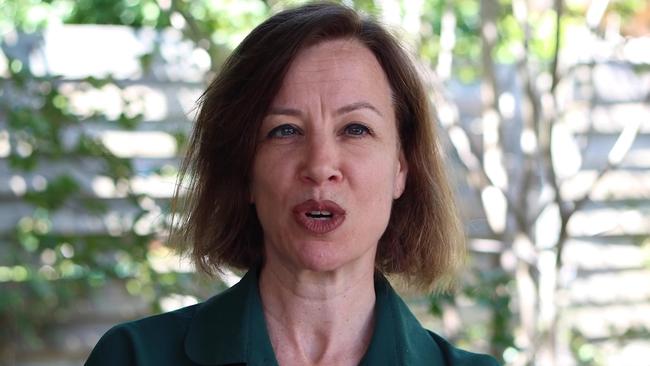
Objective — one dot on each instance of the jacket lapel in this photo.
(398, 338)
(229, 328)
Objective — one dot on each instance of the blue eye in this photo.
(356, 129)
(283, 131)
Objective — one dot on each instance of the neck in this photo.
(318, 318)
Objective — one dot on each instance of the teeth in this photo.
(319, 214)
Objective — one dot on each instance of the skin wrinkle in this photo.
(325, 333)
(228, 225)
(318, 289)
(286, 111)
(423, 243)
(238, 196)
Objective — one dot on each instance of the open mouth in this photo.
(319, 217)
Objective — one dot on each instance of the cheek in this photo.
(269, 179)
(378, 183)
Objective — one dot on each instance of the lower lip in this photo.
(319, 226)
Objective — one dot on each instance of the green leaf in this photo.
(57, 192)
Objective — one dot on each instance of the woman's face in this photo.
(328, 163)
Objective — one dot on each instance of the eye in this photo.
(283, 131)
(356, 129)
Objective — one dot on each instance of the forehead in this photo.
(340, 68)
(332, 55)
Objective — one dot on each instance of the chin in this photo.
(327, 258)
(320, 260)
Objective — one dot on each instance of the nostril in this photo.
(320, 163)
(319, 175)
(334, 177)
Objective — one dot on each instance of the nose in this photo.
(320, 161)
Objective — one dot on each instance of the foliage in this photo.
(51, 266)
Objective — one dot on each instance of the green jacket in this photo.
(229, 329)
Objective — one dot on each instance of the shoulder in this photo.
(423, 347)
(151, 338)
(458, 357)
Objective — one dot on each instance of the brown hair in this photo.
(423, 240)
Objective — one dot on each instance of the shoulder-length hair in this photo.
(219, 227)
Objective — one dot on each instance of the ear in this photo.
(400, 175)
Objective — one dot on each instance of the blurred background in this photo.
(543, 108)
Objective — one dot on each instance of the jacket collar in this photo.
(398, 338)
(230, 328)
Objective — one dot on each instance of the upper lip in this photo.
(314, 205)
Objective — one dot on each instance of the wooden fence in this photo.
(607, 272)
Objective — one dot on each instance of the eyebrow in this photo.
(343, 110)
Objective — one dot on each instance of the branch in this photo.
(476, 168)
(194, 33)
(531, 119)
(616, 156)
(447, 42)
(559, 7)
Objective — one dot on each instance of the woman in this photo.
(313, 165)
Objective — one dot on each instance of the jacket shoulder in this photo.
(457, 357)
(144, 341)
